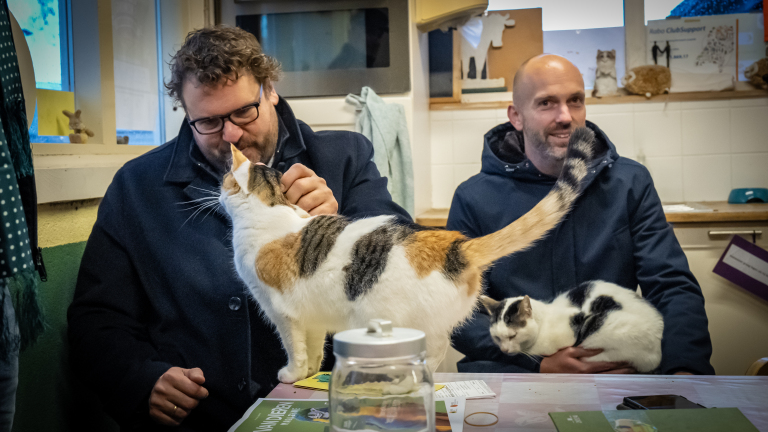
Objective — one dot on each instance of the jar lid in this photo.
(379, 340)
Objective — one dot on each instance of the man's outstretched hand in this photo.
(571, 360)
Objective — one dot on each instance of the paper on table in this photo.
(455, 406)
(682, 208)
(475, 389)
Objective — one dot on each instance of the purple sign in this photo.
(746, 265)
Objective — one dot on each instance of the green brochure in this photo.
(311, 415)
(672, 420)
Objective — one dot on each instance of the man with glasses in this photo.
(161, 326)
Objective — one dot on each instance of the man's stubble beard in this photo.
(538, 140)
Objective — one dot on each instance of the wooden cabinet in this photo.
(738, 320)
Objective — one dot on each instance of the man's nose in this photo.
(231, 132)
(564, 114)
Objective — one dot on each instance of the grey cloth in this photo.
(385, 126)
(9, 364)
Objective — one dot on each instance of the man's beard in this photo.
(538, 140)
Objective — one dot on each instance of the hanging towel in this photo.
(19, 255)
(384, 125)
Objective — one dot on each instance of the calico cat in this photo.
(605, 75)
(594, 315)
(321, 274)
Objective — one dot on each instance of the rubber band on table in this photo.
(481, 425)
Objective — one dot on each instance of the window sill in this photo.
(69, 172)
(621, 99)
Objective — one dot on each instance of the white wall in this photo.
(695, 151)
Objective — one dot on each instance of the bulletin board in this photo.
(519, 43)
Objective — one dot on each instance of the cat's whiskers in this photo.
(200, 205)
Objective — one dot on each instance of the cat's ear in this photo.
(525, 307)
(237, 158)
(240, 169)
(489, 303)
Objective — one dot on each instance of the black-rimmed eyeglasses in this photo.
(239, 117)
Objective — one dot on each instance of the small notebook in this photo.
(669, 420)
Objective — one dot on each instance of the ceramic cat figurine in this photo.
(605, 75)
(594, 315)
(314, 275)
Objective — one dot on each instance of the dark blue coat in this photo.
(616, 232)
(157, 286)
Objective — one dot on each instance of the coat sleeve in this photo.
(109, 344)
(365, 190)
(473, 339)
(667, 282)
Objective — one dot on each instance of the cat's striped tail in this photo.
(532, 226)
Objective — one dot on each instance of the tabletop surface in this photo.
(523, 401)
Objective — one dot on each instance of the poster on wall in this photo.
(701, 52)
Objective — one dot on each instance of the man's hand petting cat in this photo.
(175, 394)
(305, 189)
(570, 360)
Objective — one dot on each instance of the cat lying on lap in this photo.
(321, 274)
(594, 315)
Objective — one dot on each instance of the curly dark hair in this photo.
(220, 53)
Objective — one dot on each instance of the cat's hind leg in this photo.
(437, 346)
(294, 338)
(315, 350)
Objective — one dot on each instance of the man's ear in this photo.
(514, 117)
(272, 95)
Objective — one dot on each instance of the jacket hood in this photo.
(504, 154)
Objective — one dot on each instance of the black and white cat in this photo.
(595, 314)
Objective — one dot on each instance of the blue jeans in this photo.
(9, 364)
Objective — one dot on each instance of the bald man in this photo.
(616, 231)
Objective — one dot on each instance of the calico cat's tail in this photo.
(533, 225)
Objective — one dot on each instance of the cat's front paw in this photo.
(290, 374)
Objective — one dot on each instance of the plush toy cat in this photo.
(314, 275)
(594, 315)
(756, 73)
(648, 80)
(605, 75)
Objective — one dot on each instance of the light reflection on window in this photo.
(39, 20)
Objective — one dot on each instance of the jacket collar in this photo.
(188, 162)
(504, 154)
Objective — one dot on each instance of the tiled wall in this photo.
(695, 151)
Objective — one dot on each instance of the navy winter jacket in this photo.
(157, 286)
(616, 232)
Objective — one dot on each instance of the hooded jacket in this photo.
(616, 232)
(157, 286)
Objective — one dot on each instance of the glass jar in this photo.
(381, 380)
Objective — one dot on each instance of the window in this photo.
(574, 30)
(46, 28)
(138, 85)
(661, 9)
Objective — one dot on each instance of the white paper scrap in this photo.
(682, 208)
(475, 389)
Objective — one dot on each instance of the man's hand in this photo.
(569, 360)
(304, 188)
(175, 394)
